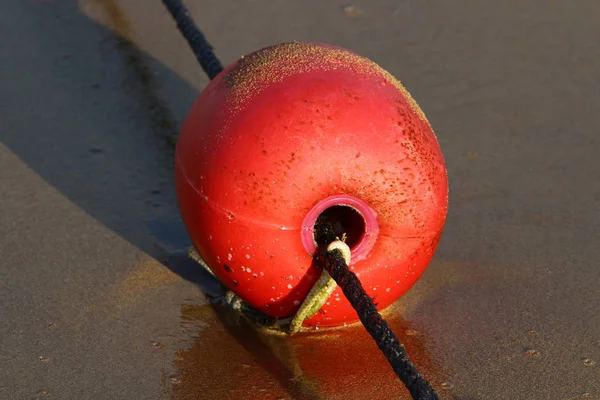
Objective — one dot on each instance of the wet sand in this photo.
(98, 303)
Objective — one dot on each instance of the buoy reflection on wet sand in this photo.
(230, 359)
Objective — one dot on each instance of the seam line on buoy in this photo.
(275, 225)
(212, 203)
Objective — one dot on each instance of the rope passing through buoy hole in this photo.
(333, 255)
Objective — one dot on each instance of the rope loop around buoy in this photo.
(333, 254)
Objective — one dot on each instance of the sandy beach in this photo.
(100, 302)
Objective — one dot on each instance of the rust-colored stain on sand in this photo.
(149, 276)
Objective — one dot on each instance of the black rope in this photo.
(389, 344)
(386, 340)
(200, 46)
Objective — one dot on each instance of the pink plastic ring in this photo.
(359, 250)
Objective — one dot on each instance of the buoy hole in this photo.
(345, 221)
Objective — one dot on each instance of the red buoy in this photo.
(301, 130)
